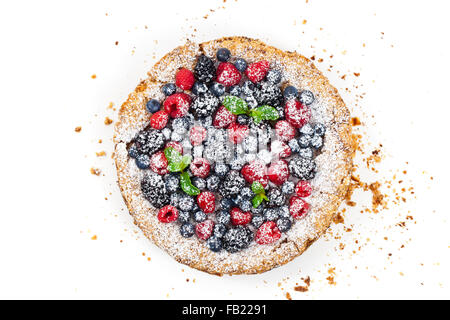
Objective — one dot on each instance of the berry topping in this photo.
(184, 79)
(239, 217)
(237, 239)
(176, 145)
(187, 230)
(159, 120)
(214, 244)
(284, 224)
(306, 97)
(270, 214)
(177, 105)
(159, 163)
(284, 130)
(298, 207)
(168, 214)
(218, 89)
(235, 90)
(290, 93)
(219, 230)
(240, 64)
(231, 185)
(257, 71)
(237, 132)
(154, 190)
(281, 149)
(274, 76)
(316, 142)
(223, 217)
(278, 172)
(197, 135)
(296, 113)
(255, 171)
(206, 201)
(303, 189)
(212, 183)
(172, 182)
(153, 105)
(223, 54)
(199, 87)
(276, 197)
(319, 129)
(267, 233)
(143, 161)
(200, 216)
(227, 74)
(288, 187)
(257, 220)
(186, 203)
(200, 167)
(169, 89)
(221, 169)
(302, 168)
(205, 105)
(204, 229)
(223, 118)
(204, 69)
(148, 142)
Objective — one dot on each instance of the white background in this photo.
(51, 206)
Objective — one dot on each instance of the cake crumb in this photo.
(94, 237)
(96, 171)
(108, 121)
(101, 154)
(288, 296)
(94, 76)
(78, 129)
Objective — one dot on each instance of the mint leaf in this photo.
(186, 185)
(257, 200)
(185, 162)
(257, 187)
(235, 105)
(172, 155)
(264, 113)
(177, 162)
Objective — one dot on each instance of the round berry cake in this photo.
(233, 156)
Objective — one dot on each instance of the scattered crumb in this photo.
(94, 237)
(101, 154)
(94, 76)
(288, 296)
(96, 171)
(77, 129)
(108, 121)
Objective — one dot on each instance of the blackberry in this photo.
(180, 125)
(221, 169)
(293, 144)
(307, 129)
(143, 161)
(306, 153)
(237, 239)
(172, 182)
(219, 230)
(280, 110)
(276, 197)
(223, 217)
(199, 183)
(212, 183)
(204, 105)
(187, 230)
(246, 205)
(183, 216)
(269, 94)
(217, 89)
(319, 129)
(226, 204)
(284, 224)
(251, 101)
(167, 133)
(169, 89)
(290, 92)
(247, 193)
(223, 54)
(306, 97)
(231, 185)
(154, 190)
(174, 198)
(273, 76)
(237, 200)
(153, 105)
(257, 220)
(235, 91)
(148, 142)
(132, 152)
(304, 141)
(237, 163)
(214, 244)
(204, 70)
(283, 212)
(242, 119)
(199, 216)
(199, 87)
(186, 203)
(316, 142)
(270, 214)
(258, 210)
(302, 168)
(288, 187)
(240, 64)
(248, 88)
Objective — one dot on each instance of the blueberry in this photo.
(248, 88)
(199, 183)
(219, 230)
(180, 125)
(223, 54)
(293, 144)
(240, 64)
(186, 203)
(306, 97)
(199, 87)
(221, 169)
(247, 193)
(175, 199)
(132, 152)
(153, 105)
(235, 91)
(143, 161)
(283, 212)
(284, 224)
(237, 200)
(257, 220)
(276, 197)
(183, 216)
(288, 187)
(212, 183)
(274, 76)
(187, 230)
(258, 210)
(319, 129)
(270, 214)
(217, 89)
(226, 204)
(172, 183)
(169, 89)
(246, 205)
(199, 216)
(223, 217)
(214, 244)
(290, 92)
(243, 119)
(316, 142)
(306, 153)
(304, 141)
(307, 129)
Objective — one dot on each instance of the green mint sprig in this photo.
(177, 163)
(258, 189)
(238, 106)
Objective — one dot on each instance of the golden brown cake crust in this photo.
(329, 186)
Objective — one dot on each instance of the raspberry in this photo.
(223, 118)
(184, 79)
(227, 74)
(204, 230)
(158, 163)
(257, 71)
(239, 217)
(168, 214)
(281, 149)
(159, 120)
(200, 167)
(278, 172)
(284, 130)
(267, 233)
(296, 113)
(255, 171)
(197, 134)
(237, 132)
(303, 189)
(206, 201)
(176, 145)
(177, 105)
(298, 207)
